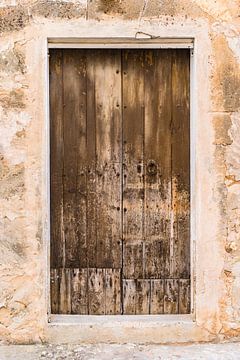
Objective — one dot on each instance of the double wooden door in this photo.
(120, 191)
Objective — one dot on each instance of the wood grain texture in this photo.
(96, 294)
(108, 155)
(157, 159)
(113, 292)
(65, 291)
(91, 163)
(184, 296)
(129, 297)
(104, 85)
(120, 181)
(79, 291)
(157, 297)
(74, 119)
(56, 159)
(54, 290)
(180, 129)
(142, 305)
(133, 168)
(171, 296)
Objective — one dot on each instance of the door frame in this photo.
(145, 41)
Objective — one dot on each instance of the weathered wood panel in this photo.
(180, 129)
(171, 296)
(108, 153)
(157, 159)
(96, 293)
(142, 306)
(113, 292)
(133, 260)
(79, 291)
(54, 291)
(91, 163)
(133, 168)
(120, 183)
(74, 128)
(184, 296)
(104, 85)
(56, 159)
(65, 291)
(157, 297)
(129, 297)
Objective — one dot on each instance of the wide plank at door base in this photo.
(120, 181)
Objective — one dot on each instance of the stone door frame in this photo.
(58, 324)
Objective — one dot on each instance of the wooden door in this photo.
(120, 183)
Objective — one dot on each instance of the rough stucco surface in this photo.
(24, 28)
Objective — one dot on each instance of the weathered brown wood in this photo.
(120, 183)
(108, 158)
(65, 291)
(96, 293)
(54, 291)
(129, 297)
(184, 296)
(157, 160)
(157, 297)
(142, 297)
(79, 291)
(81, 161)
(171, 296)
(112, 291)
(91, 161)
(133, 171)
(74, 110)
(133, 260)
(180, 129)
(56, 159)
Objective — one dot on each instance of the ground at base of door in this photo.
(121, 352)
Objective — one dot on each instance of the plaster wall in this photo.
(25, 26)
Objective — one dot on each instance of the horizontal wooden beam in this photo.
(122, 43)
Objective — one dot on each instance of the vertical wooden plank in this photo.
(81, 158)
(154, 257)
(133, 172)
(157, 297)
(184, 296)
(54, 288)
(79, 289)
(108, 157)
(129, 297)
(180, 242)
(91, 160)
(74, 85)
(142, 297)
(112, 292)
(133, 260)
(171, 296)
(96, 294)
(56, 158)
(65, 291)
(157, 159)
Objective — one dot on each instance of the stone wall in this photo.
(25, 26)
